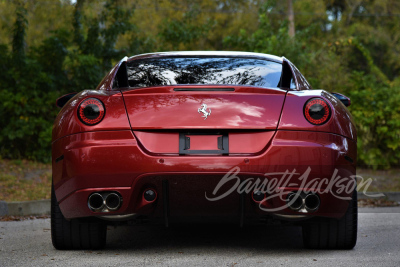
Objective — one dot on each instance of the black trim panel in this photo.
(60, 158)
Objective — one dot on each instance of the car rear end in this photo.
(203, 136)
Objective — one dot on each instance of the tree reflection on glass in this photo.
(204, 70)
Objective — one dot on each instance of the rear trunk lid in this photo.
(204, 107)
(204, 120)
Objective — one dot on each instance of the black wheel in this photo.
(75, 233)
(333, 233)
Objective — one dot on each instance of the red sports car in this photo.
(233, 136)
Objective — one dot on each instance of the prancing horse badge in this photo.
(203, 110)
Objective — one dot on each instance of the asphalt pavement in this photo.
(27, 243)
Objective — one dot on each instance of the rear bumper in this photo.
(113, 161)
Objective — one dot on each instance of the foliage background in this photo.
(52, 47)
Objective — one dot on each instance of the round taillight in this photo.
(317, 111)
(91, 111)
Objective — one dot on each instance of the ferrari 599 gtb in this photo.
(233, 136)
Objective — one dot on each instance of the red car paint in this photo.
(243, 108)
(136, 146)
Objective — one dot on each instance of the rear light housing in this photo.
(317, 111)
(91, 111)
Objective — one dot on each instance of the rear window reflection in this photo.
(203, 70)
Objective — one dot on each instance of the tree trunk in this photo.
(291, 18)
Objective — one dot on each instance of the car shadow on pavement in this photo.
(199, 236)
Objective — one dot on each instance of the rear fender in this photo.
(67, 121)
(341, 121)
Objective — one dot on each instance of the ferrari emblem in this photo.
(203, 110)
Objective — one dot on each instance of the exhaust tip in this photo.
(312, 202)
(258, 196)
(150, 195)
(294, 201)
(96, 202)
(113, 201)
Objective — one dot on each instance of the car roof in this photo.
(207, 54)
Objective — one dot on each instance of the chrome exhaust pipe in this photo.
(96, 202)
(294, 201)
(312, 202)
(113, 201)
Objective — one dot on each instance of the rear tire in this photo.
(75, 233)
(333, 233)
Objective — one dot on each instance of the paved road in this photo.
(27, 243)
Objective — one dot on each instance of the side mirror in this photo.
(61, 101)
(344, 99)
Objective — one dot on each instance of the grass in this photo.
(22, 180)
(382, 180)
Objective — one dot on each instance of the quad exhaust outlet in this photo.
(112, 201)
(311, 202)
(96, 202)
(302, 202)
(104, 202)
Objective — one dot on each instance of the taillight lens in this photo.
(317, 111)
(91, 111)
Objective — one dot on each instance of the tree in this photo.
(291, 18)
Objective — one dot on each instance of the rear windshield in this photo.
(203, 70)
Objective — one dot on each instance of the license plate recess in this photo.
(203, 143)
